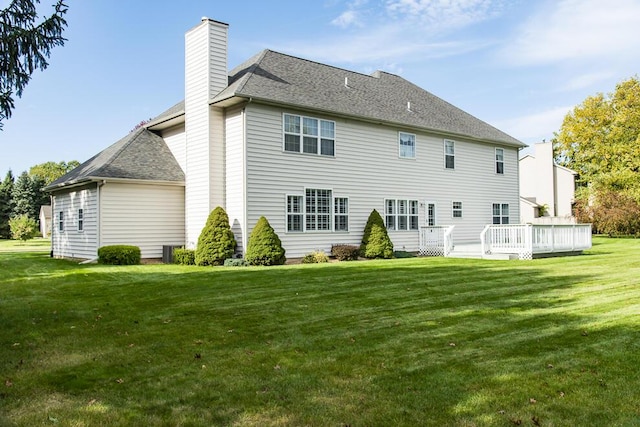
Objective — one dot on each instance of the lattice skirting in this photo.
(431, 251)
(525, 255)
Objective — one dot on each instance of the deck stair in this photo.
(474, 250)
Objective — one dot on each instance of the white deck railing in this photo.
(436, 240)
(529, 239)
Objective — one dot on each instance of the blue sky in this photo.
(519, 65)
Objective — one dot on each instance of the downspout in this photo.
(51, 199)
(245, 231)
(98, 216)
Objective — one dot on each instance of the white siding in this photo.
(367, 169)
(565, 191)
(205, 76)
(176, 140)
(72, 243)
(147, 216)
(235, 181)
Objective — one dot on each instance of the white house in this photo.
(312, 147)
(45, 220)
(543, 183)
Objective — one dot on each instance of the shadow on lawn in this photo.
(407, 342)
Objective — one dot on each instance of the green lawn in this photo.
(416, 341)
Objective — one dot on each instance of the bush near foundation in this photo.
(345, 252)
(265, 247)
(184, 256)
(375, 239)
(119, 255)
(216, 242)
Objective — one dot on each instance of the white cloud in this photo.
(346, 19)
(446, 13)
(536, 126)
(577, 29)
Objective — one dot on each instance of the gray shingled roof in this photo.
(278, 78)
(141, 155)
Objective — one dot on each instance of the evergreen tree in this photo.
(375, 239)
(216, 242)
(6, 205)
(25, 45)
(265, 247)
(28, 196)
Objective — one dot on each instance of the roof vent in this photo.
(409, 106)
(346, 82)
(204, 18)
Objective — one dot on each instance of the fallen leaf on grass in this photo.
(452, 344)
(535, 420)
(91, 402)
(549, 366)
(501, 411)
(119, 380)
(8, 383)
(277, 367)
(532, 401)
(585, 333)
(516, 421)
(562, 394)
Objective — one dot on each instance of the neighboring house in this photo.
(313, 148)
(546, 188)
(45, 220)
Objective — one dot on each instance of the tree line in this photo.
(23, 196)
(600, 139)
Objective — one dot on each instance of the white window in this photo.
(61, 221)
(456, 209)
(294, 213)
(309, 135)
(313, 212)
(449, 154)
(317, 210)
(341, 213)
(499, 161)
(401, 214)
(431, 214)
(80, 219)
(407, 146)
(501, 213)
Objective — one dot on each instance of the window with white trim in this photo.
(61, 221)
(501, 213)
(341, 214)
(294, 213)
(309, 135)
(80, 219)
(500, 161)
(456, 209)
(407, 145)
(313, 211)
(449, 154)
(401, 214)
(317, 210)
(431, 214)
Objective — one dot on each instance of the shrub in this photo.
(612, 213)
(345, 252)
(315, 257)
(184, 256)
(23, 227)
(374, 219)
(375, 239)
(379, 245)
(216, 242)
(264, 247)
(235, 262)
(119, 255)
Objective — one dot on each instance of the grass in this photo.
(415, 341)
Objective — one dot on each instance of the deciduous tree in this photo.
(50, 171)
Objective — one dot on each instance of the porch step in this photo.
(474, 250)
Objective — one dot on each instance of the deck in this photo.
(519, 241)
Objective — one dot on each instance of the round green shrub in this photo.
(379, 244)
(119, 255)
(315, 257)
(264, 247)
(216, 242)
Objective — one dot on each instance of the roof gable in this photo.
(278, 78)
(141, 155)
